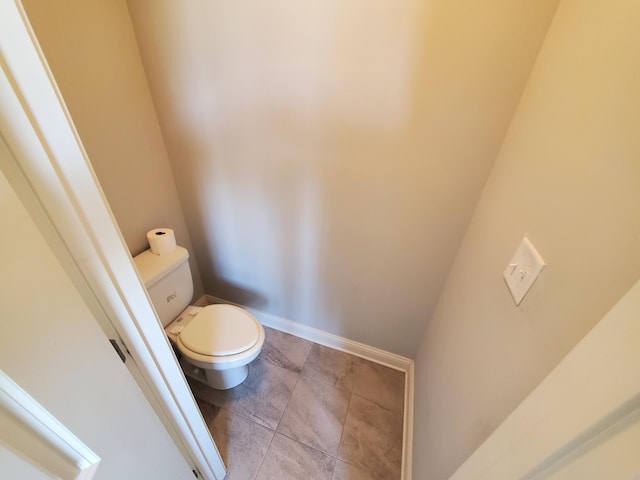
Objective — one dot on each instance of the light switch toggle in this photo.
(523, 269)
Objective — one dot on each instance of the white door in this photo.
(614, 455)
(35, 445)
(13, 466)
(583, 421)
(52, 347)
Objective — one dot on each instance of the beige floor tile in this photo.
(382, 385)
(324, 404)
(331, 366)
(372, 439)
(315, 415)
(262, 397)
(287, 459)
(207, 410)
(344, 471)
(241, 442)
(284, 350)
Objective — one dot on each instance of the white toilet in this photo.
(217, 341)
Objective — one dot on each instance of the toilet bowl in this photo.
(220, 340)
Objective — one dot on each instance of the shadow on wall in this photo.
(258, 229)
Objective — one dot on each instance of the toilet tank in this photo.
(168, 281)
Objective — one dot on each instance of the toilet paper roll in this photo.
(161, 241)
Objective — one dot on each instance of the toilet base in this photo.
(226, 379)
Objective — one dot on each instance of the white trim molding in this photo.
(32, 432)
(407, 440)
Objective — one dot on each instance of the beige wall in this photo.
(568, 177)
(92, 52)
(329, 154)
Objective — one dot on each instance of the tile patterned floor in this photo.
(308, 412)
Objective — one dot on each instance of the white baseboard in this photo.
(358, 349)
(327, 339)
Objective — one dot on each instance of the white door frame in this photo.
(52, 176)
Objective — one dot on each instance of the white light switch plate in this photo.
(523, 269)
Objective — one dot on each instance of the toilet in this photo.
(217, 342)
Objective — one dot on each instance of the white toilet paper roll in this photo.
(161, 240)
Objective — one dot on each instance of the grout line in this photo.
(265, 453)
(231, 409)
(401, 414)
(288, 402)
(316, 449)
(344, 423)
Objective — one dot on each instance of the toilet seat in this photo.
(220, 330)
(240, 347)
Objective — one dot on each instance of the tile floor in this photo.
(308, 412)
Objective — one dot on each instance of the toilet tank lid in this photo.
(153, 267)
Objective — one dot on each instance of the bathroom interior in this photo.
(367, 169)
